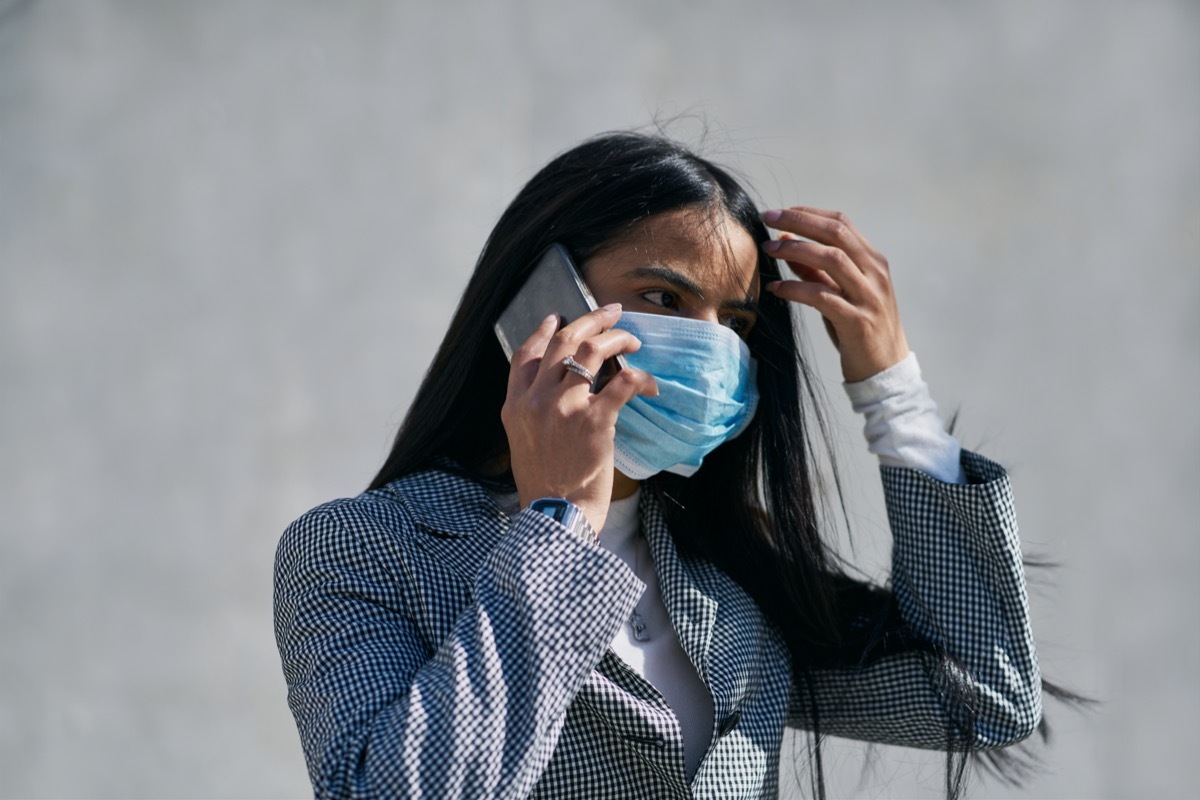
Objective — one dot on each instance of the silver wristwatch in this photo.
(570, 515)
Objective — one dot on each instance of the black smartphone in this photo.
(554, 286)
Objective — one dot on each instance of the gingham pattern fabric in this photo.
(434, 647)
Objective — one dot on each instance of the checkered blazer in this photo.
(434, 647)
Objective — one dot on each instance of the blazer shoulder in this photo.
(430, 514)
(341, 526)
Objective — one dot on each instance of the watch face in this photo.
(555, 509)
(564, 512)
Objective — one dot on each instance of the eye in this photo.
(662, 298)
(739, 325)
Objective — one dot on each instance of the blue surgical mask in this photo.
(706, 394)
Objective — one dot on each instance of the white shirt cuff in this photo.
(902, 424)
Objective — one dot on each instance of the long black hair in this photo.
(752, 509)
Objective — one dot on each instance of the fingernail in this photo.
(612, 307)
(772, 245)
(773, 285)
(771, 216)
(550, 317)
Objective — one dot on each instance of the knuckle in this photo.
(565, 410)
(858, 320)
(567, 336)
(826, 300)
(587, 349)
(838, 258)
(837, 231)
(624, 381)
(629, 378)
(645, 381)
(597, 416)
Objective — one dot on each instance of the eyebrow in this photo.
(671, 276)
(681, 281)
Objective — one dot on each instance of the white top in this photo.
(660, 659)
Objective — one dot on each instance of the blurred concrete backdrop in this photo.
(231, 235)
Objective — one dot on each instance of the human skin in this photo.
(683, 263)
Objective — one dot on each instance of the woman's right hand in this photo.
(560, 435)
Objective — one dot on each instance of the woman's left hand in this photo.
(845, 279)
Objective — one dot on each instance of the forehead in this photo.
(713, 250)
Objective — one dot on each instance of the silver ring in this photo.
(579, 369)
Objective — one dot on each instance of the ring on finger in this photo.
(579, 369)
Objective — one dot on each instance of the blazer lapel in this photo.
(719, 626)
(693, 611)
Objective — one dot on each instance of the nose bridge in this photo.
(708, 312)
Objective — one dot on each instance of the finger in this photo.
(591, 355)
(832, 228)
(528, 357)
(832, 305)
(802, 271)
(569, 337)
(845, 220)
(812, 274)
(623, 387)
(819, 278)
(832, 261)
(830, 215)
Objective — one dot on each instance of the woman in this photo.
(550, 592)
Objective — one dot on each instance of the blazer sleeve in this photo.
(958, 580)
(384, 713)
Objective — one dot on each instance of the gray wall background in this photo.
(232, 234)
